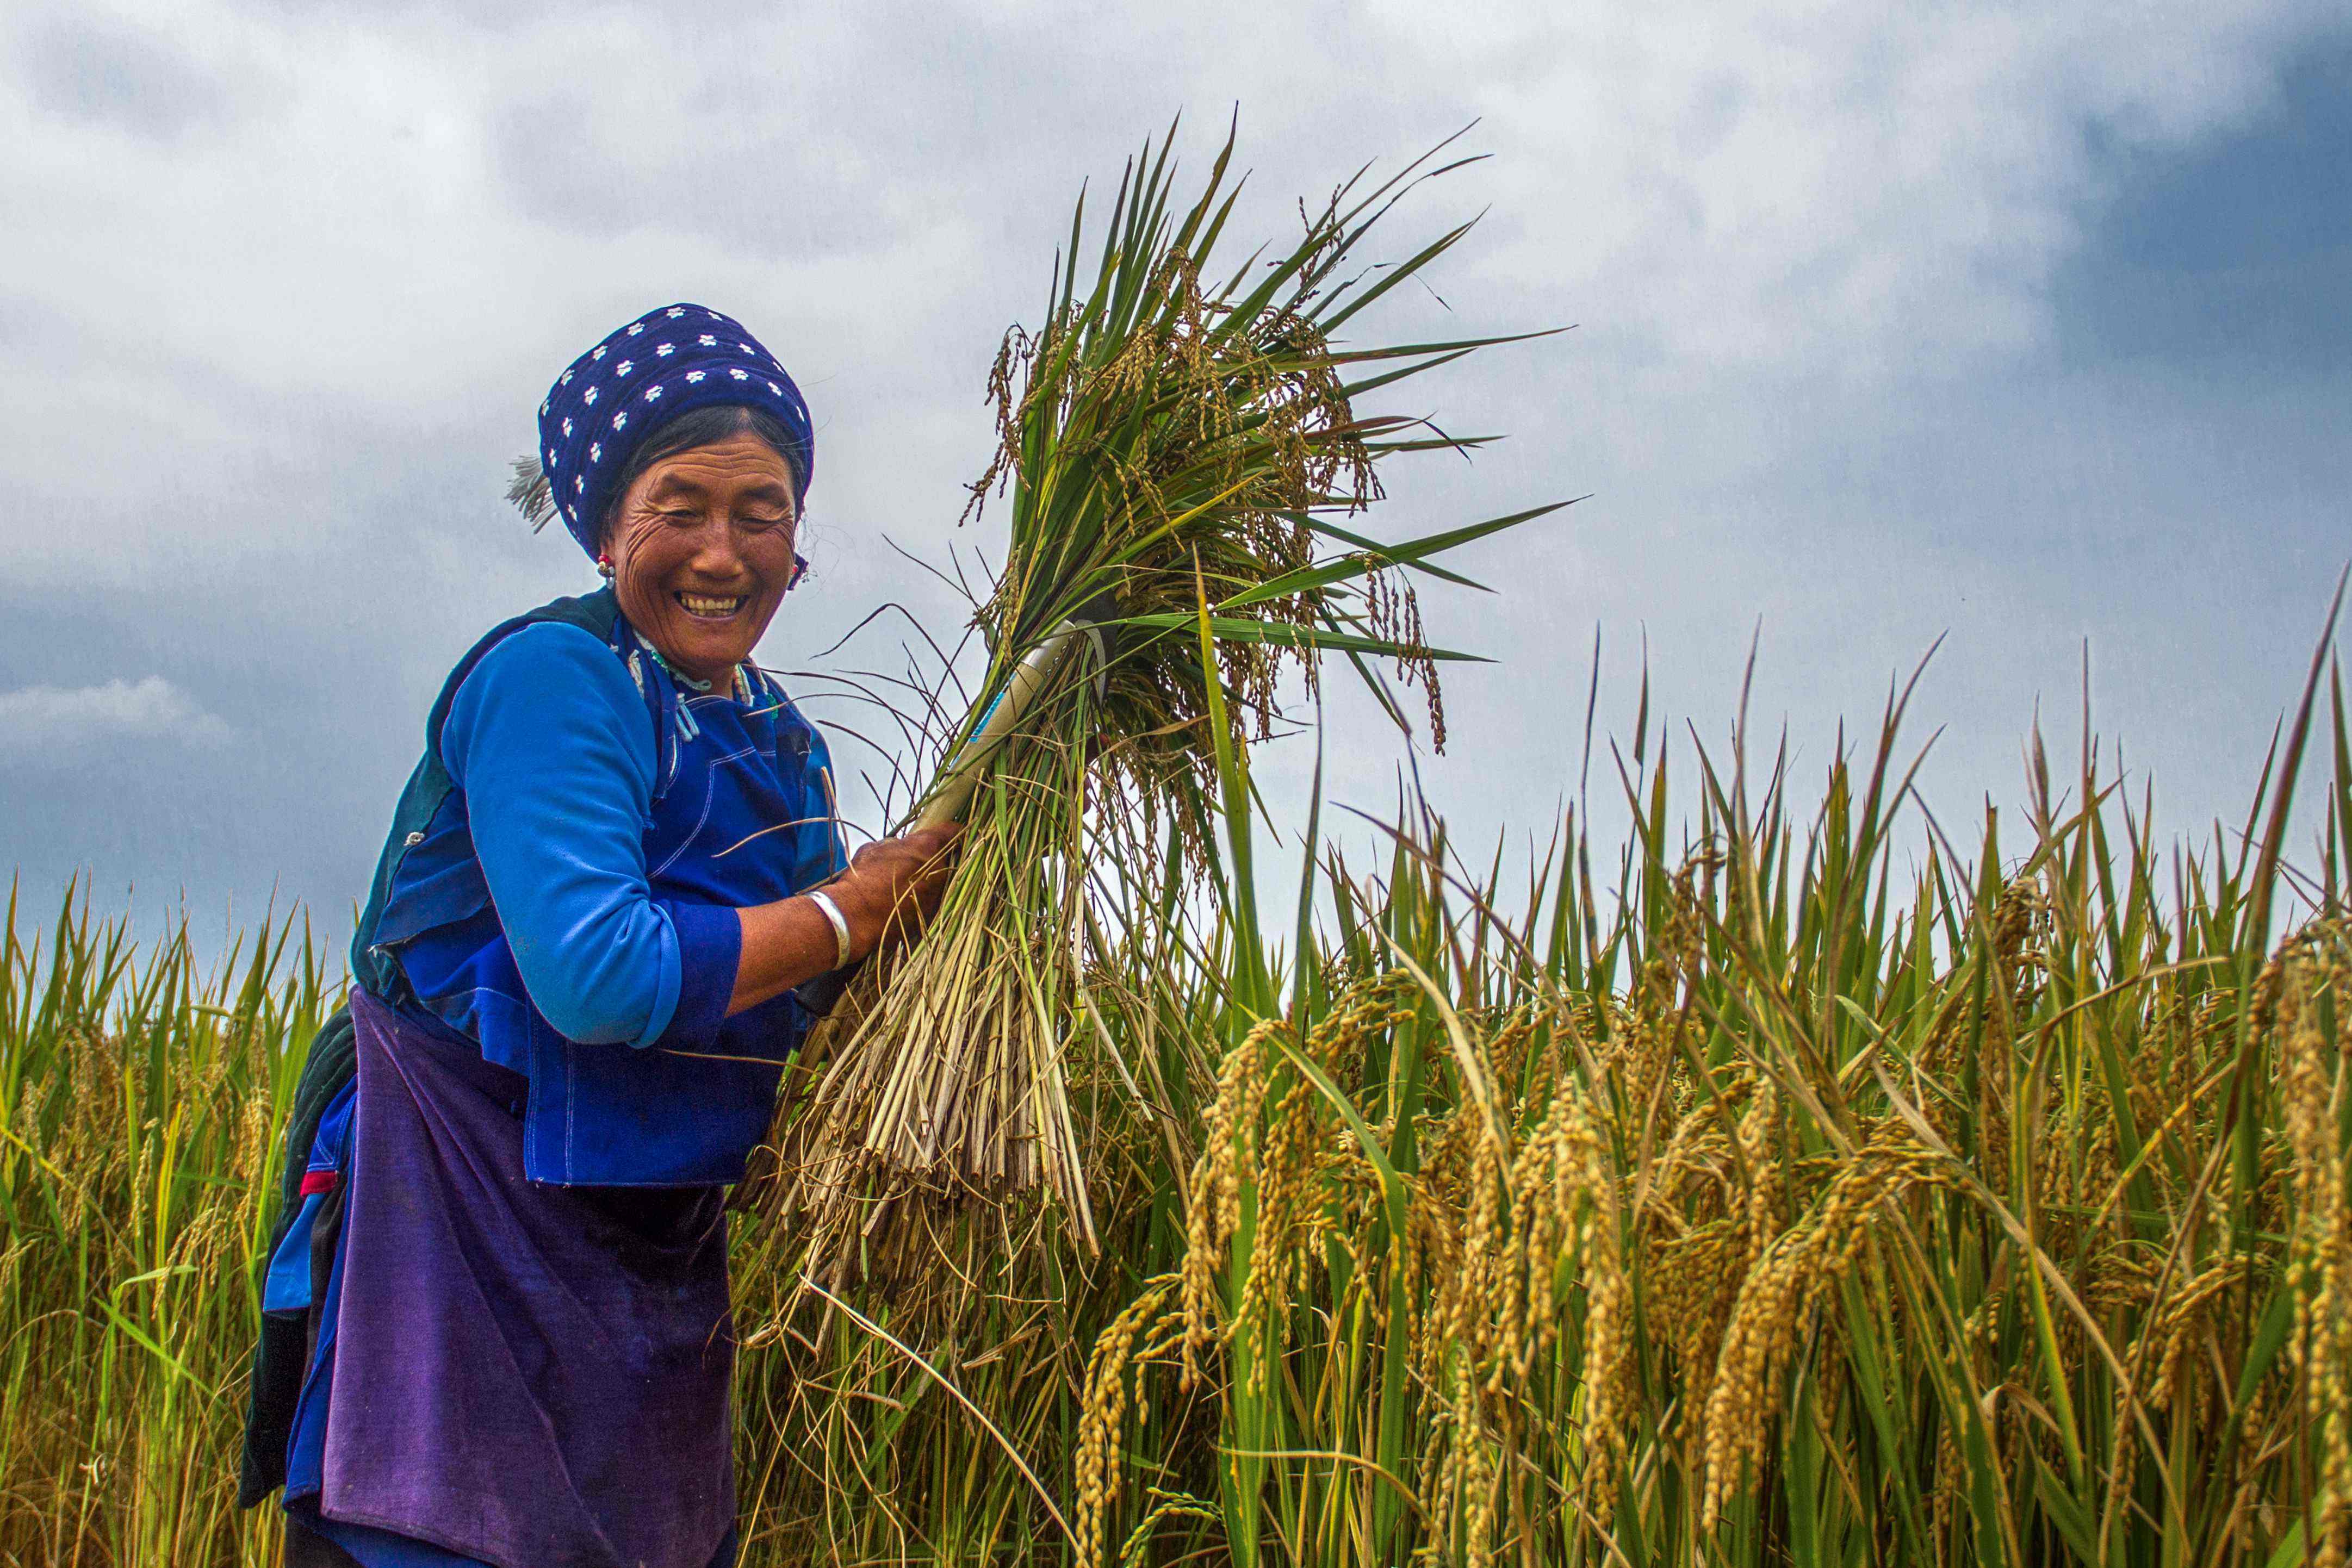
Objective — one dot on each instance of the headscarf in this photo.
(664, 363)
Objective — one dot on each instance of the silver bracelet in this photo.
(840, 924)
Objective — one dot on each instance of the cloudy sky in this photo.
(2021, 326)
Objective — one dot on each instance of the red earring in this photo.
(604, 566)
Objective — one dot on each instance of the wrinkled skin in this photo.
(701, 548)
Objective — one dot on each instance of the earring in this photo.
(604, 566)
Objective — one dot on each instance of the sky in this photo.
(2020, 332)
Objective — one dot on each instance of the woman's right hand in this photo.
(893, 886)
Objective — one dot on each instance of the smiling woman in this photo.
(700, 541)
(608, 909)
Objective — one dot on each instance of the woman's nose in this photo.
(715, 549)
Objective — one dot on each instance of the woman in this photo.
(611, 900)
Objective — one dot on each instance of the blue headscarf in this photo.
(666, 362)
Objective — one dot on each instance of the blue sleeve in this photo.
(549, 739)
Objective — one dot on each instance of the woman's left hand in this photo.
(893, 887)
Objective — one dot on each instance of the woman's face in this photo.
(701, 548)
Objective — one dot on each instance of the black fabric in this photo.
(283, 1352)
(305, 1548)
(822, 994)
(326, 1233)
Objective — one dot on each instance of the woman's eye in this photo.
(758, 522)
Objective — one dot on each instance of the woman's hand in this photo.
(893, 887)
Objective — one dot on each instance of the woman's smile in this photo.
(712, 606)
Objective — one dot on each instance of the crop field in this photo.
(1754, 1191)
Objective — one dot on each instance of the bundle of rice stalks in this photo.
(1180, 453)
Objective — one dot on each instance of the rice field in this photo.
(1786, 1184)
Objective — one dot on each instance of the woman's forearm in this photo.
(784, 944)
(887, 893)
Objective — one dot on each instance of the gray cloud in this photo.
(57, 726)
(2236, 259)
(1838, 372)
(115, 74)
(577, 163)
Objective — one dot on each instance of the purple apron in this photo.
(525, 1374)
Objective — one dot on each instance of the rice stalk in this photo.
(1965, 1261)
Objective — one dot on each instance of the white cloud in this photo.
(60, 724)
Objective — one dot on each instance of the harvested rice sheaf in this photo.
(1182, 453)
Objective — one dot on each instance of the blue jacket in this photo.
(561, 882)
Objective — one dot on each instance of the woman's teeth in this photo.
(710, 607)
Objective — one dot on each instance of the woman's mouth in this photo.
(711, 606)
